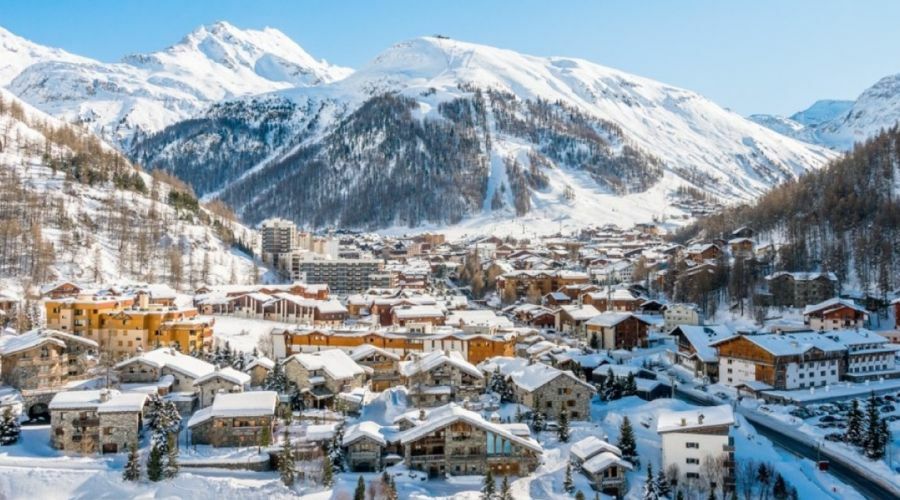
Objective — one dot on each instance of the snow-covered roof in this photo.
(611, 318)
(504, 364)
(590, 446)
(435, 359)
(700, 338)
(478, 317)
(791, 344)
(238, 404)
(171, 358)
(831, 304)
(362, 351)
(580, 312)
(448, 414)
(228, 373)
(367, 429)
(535, 376)
(420, 311)
(799, 276)
(11, 344)
(262, 361)
(539, 347)
(335, 362)
(126, 401)
(603, 461)
(698, 418)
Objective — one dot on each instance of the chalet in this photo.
(741, 247)
(322, 375)
(417, 316)
(168, 368)
(572, 319)
(552, 391)
(834, 314)
(364, 446)
(618, 330)
(743, 232)
(620, 299)
(703, 252)
(800, 289)
(385, 365)
(238, 419)
(695, 440)
(61, 289)
(224, 380)
(437, 378)
(785, 361)
(555, 299)
(95, 421)
(680, 314)
(693, 349)
(42, 359)
(453, 440)
(602, 463)
(259, 369)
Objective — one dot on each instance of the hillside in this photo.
(71, 207)
(844, 218)
(145, 92)
(437, 132)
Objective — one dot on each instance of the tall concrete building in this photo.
(342, 275)
(279, 237)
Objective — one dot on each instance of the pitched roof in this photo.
(830, 305)
(603, 461)
(171, 358)
(238, 404)
(10, 344)
(364, 350)
(700, 337)
(228, 373)
(448, 414)
(590, 446)
(535, 376)
(435, 359)
(336, 363)
(710, 416)
(364, 429)
(790, 344)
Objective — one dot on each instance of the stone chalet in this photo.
(43, 359)
(258, 369)
(553, 389)
(602, 463)
(322, 375)
(220, 381)
(835, 314)
(437, 378)
(94, 421)
(618, 330)
(364, 445)
(456, 441)
(173, 372)
(237, 419)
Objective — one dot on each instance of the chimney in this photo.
(104, 395)
(700, 418)
(144, 300)
(421, 414)
(683, 421)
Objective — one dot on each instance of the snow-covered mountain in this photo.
(438, 131)
(146, 92)
(74, 208)
(841, 124)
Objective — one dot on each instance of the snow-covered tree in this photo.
(132, 470)
(9, 428)
(568, 482)
(650, 492)
(170, 470)
(327, 471)
(779, 488)
(155, 463)
(286, 460)
(563, 430)
(488, 488)
(162, 419)
(875, 439)
(627, 443)
(505, 489)
(275, 380)
(336, 450)
(663, 488)
(854, 433)
(537, 416)
(360, 493)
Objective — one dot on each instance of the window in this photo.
(692, 475)
(694, 461)
(691, 445)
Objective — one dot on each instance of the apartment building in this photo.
(696, 443)
(343, 276)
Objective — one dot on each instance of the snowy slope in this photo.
(145, 92)
(77, 221)
(604, 145)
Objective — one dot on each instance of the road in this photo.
(867, 485)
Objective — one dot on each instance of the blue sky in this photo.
(753, 56)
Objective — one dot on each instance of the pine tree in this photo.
(336, 450)
(630, 387)
(155, 464)
(275, 380)
(568, 483)
(171, 468)
(679, 495)
(563, 431)
(663, 488)
(488, 489)
(505, 489)
(579, 495)
(595, 341)
(286, 460)
(779, 488)
(875, 442)
(9, 428)
(627, 443)
(650, 492)
(712, 495)
(132, 470)
(327, 471)
(537, 416)
(854, 434)
(360, 493)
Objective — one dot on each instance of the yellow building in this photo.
(121, 327)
